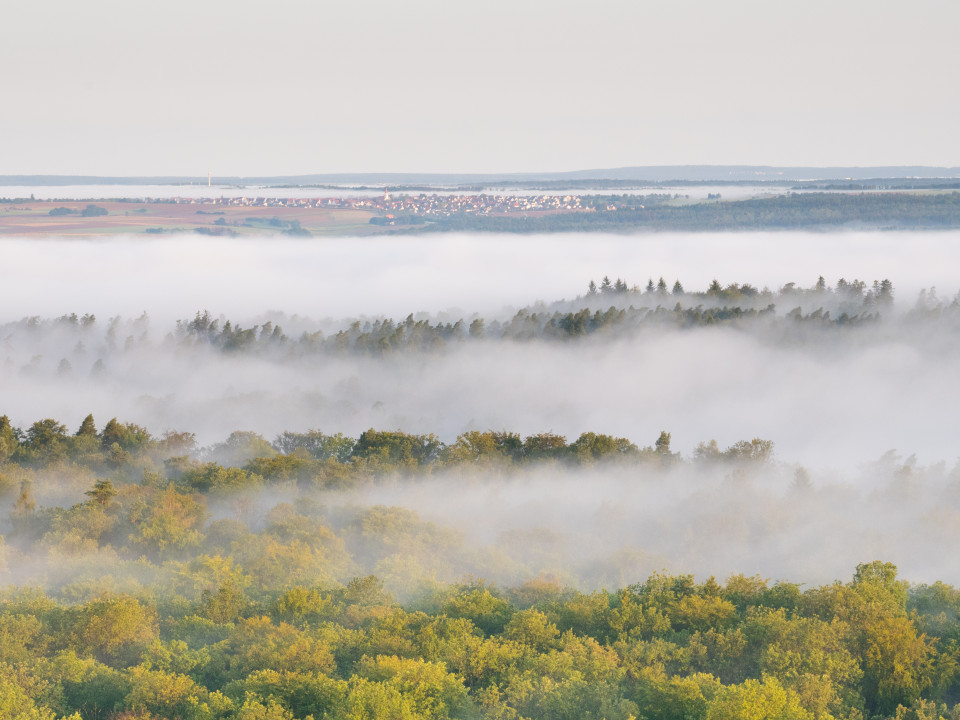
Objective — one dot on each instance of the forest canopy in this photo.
(487, 573)
(152, 578)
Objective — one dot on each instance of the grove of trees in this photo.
(166, 594)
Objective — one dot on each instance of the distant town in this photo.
(424, 205)
(445, 211)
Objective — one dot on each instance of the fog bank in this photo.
(833, 401)
(174, 277)
(603, 526)
(610, 527)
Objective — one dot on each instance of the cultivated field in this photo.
(34, 218)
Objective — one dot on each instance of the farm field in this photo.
(124, 217)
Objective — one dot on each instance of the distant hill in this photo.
(644, 174)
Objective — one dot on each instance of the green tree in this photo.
(756, 700)
(87, 428)
(751, 451)
(397, 448)
(428, 687)
(306, 695)
(533, 629)
(85, 446)
(167, 521)
(898, 664)
(258, 643)
(128, 436)
(117, 629)
(320, 446)
(240, 448)
(590, 447)
(46, 442)
(92, 210)
(481, 604)
(102, 493)
(253, 709)
(8, 439)
(544, 445)
(367, 700)
(173, 695)
(876, 582)
(16, 704)
(84, 685)
(661, 449)
(225, 604)
(211, 476)
(484, 447)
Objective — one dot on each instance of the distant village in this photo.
(420, 205)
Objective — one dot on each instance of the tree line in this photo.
(247, 458)
(792, 211)
(742, 305)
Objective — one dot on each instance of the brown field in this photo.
(33, 218)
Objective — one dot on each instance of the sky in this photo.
(234, 87)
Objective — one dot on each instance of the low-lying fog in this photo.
(173, 277)
(611, 527)
(822, 406)
(838, 398)
(834, 398)
(604, 526)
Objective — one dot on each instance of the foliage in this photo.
(180, 598)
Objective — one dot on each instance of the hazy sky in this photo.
(295, 86)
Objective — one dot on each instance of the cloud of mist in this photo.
(174, 277)
(608, 527)
(830, 396)
(605, 526)
(834, 399)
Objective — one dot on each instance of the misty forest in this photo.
(451, 514)
(429, 360)
(454, 542)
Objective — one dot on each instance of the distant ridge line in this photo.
(652, 174)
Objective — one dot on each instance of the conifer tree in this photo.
(87, 428)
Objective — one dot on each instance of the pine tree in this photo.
(885, 292)
(102, 492)
(87, 428)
